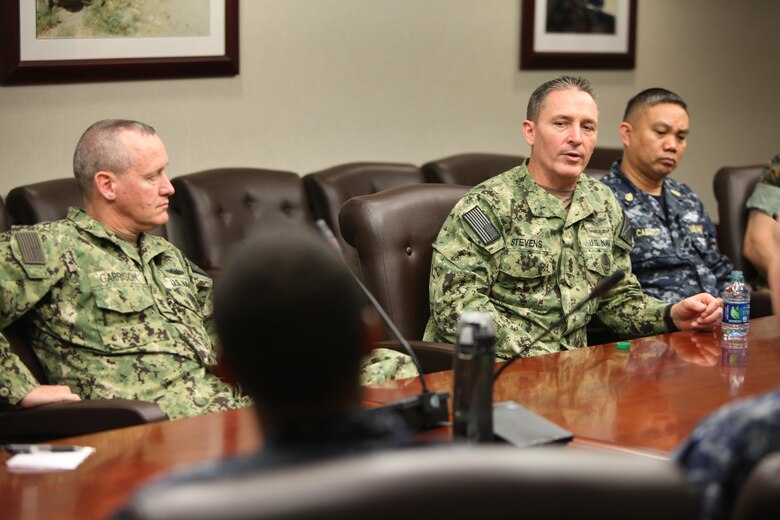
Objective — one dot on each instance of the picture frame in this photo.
(28, 60)
(551, 44)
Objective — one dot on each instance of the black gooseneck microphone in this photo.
(602, 287)
(429, 409)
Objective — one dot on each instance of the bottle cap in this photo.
(623, 345)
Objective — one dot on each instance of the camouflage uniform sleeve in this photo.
(29, 270)
(203, 285)
(766, 195)
(464, 267)
(626, 309)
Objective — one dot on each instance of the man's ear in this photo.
(372, 329)
(528, 132)
(105, 184)
(625, 132)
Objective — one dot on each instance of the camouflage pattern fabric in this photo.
(530, 262)
(109, 321)
(722, 451)
(766, 195)
(384, 365)
(675, 254)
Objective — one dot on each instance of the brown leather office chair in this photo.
(393, 232)
(601, 161)
(469, 169)
(733, 186)
(328, 190)
(760, 496)
(66, 419)
(489, 482)
(47, 201)
(216, 209)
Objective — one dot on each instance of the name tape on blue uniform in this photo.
(479, 222)
(31, 247)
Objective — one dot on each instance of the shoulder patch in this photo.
(31, 247)
(481, 225)
(627, 231)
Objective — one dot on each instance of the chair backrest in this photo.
(5, 220)
(48, 201)
(393, 232)
(601, 161)
(217, 209)
(444, 482)
(760, 496)
(328, 190)
(733, 186)
(469, 169)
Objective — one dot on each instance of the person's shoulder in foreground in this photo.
(722, 451)
(294, 326)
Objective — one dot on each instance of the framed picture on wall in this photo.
(68, 41)
(578, 34)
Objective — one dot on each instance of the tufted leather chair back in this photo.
(393, 232)
(469, 169)
(328, 190)
(5, 221)
(48, 201)
(219, 208)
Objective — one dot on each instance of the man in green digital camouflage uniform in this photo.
(528, 245)
(110, 310)
(764, 203)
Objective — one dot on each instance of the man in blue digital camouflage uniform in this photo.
(528, 245)
(675, 252)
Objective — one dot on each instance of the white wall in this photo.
(330, 81)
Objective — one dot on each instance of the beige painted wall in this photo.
(329, 81)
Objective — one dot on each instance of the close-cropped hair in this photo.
(101, 149)
(651, 97)
(539, 95)
(289, 317)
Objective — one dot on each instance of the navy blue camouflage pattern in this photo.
(722, 451)
(675, 255)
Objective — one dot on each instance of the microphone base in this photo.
(517, 425)
(427, 410)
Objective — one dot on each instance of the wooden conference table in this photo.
(644, 400)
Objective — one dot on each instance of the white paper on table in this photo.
(60, 460)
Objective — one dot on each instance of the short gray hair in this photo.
(101, 149)
(539, 95)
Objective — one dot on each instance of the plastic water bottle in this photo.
(736, 307)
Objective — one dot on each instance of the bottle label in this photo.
(736, 313)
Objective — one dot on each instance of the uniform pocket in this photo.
(127, 322)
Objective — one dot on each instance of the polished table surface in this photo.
(643, 400)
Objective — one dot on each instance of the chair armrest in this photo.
(434, 357)
(58, 420)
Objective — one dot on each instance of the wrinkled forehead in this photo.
(570, 102)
